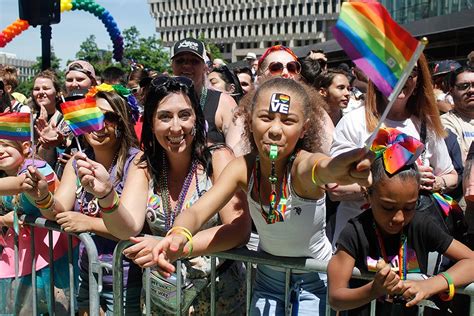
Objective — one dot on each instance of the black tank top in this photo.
(210, 108)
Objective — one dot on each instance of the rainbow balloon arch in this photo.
(90, 6)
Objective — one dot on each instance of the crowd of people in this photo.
(271, 156)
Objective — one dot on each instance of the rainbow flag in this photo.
(82, 116)
(15, 126)
(374, 42)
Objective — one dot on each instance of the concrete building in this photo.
(240, 26)
(25, 70)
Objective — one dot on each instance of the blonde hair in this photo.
(421, 103)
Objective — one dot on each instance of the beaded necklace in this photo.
(402, 252)
(92, 208)
(276, 212)
(203, 98)
(170, 214)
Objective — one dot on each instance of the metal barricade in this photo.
(95, 267)
(253, 257)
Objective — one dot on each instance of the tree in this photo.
(212, 48)
(148, 52)
(89, 51)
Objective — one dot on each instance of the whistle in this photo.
(273, 152)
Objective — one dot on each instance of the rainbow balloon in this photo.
(90, 6)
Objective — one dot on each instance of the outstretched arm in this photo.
(312, 171)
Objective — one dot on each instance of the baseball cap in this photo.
(444, 66)
(189, 45)
(84, 67)
(250, 56)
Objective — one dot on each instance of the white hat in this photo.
(251, 55)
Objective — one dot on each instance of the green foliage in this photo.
(212, 48)
(89, 51)
(148, 52)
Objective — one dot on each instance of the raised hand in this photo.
(93, 176)
(49, 135)
(34, 184)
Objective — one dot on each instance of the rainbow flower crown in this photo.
(123, 92)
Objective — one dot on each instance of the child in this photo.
(16, 297)
(392, 232)
(290, 223)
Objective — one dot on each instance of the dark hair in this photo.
(326, 77)
(310, 70)
(128, 138)
(244, 70)
(113, 75)
(455, 73)
(313, 107)
(379, 174)
(5, 100)
(160, 87)
(230, 79)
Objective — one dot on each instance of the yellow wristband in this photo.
(451, 290)
(315, 169)
(186, 233)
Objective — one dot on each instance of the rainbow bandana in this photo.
(396, 148)
(279, 103)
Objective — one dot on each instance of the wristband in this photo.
(451, 290)
(106, 195)
(112, 208)
(46, 205)
(41, 201)
(186, 233)
(315, 170)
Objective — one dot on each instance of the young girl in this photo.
(114, 147)
(16, 297)
(284, 186)
(392, 234)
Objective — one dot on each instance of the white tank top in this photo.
(301, 234)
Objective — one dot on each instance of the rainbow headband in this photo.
(396, 148)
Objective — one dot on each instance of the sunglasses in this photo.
(111, 118)
(464, 85)
(167, 82)
(134, 90)
(276, 68)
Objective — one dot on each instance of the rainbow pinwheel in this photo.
(398, 149)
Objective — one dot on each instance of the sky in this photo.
(75, 27)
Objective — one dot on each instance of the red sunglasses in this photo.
(276, 68)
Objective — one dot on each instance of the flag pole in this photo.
(397, 89)
(32, 137)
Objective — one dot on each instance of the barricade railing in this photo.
(249, 257)
(95, 266)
